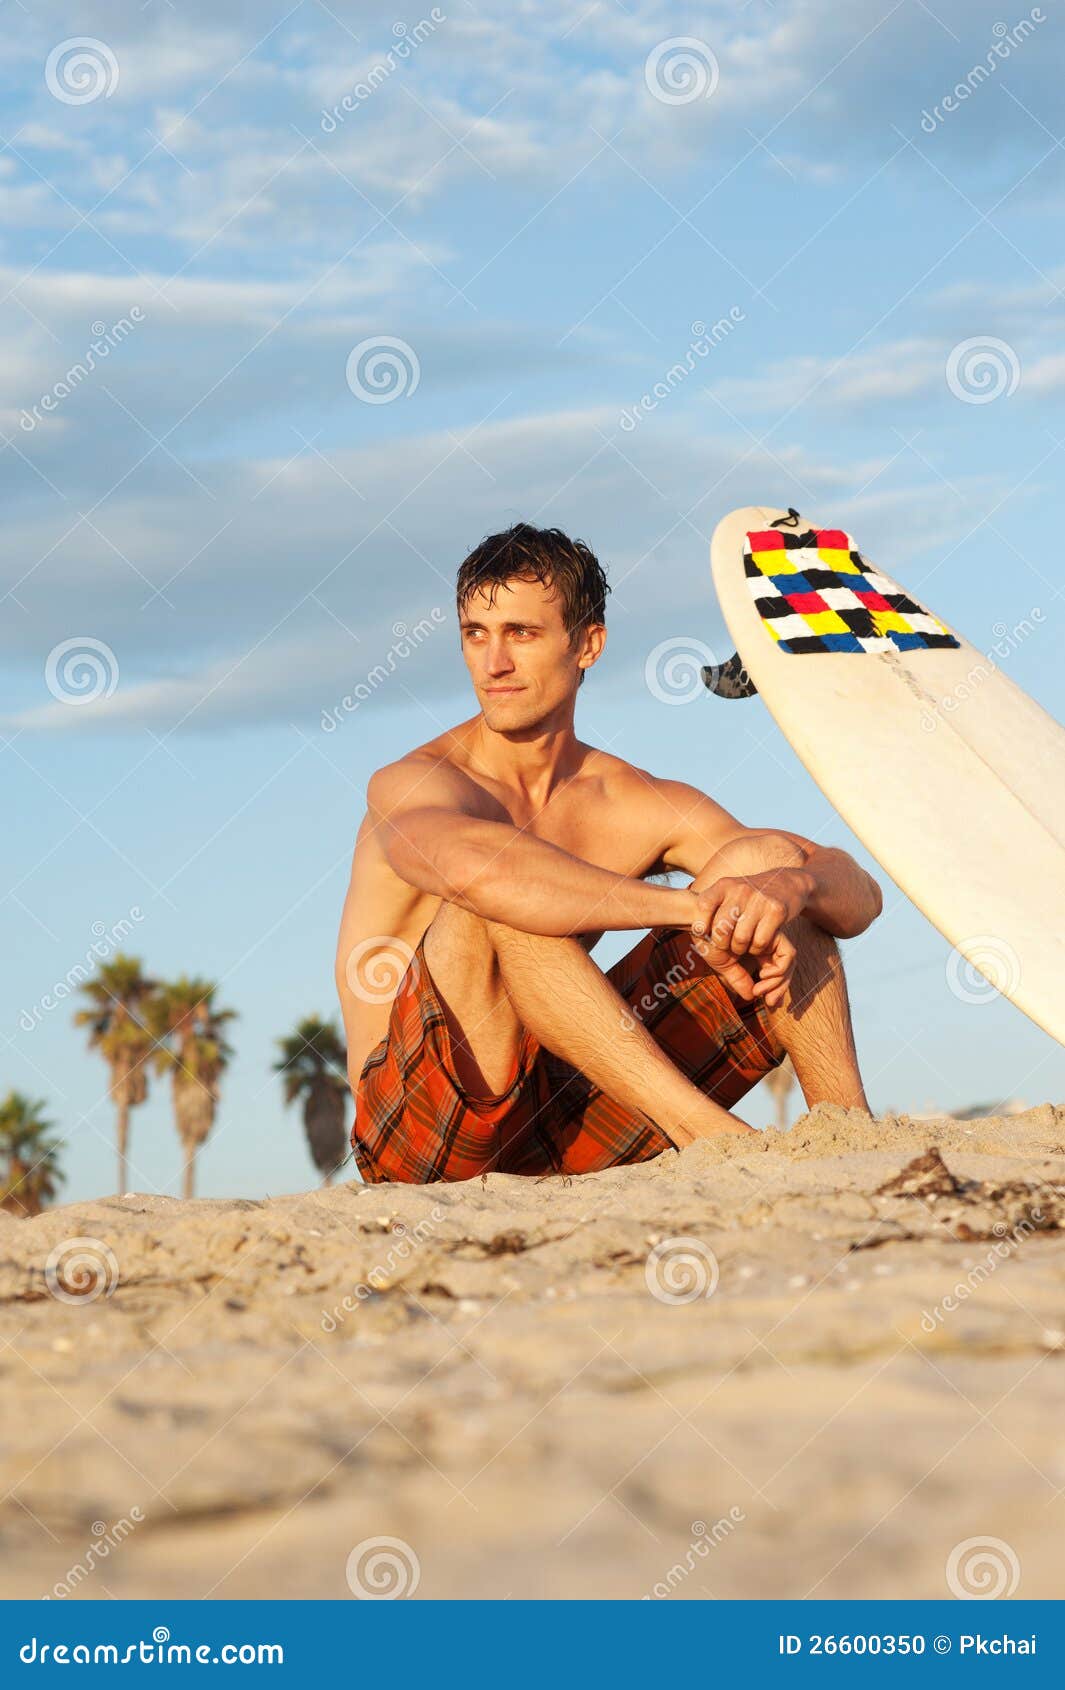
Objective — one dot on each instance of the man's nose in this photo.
(500, 661)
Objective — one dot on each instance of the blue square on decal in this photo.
(907, 642)
(842, 642)
(791, 583)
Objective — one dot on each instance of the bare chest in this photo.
(610, 835)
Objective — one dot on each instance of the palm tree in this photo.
(314, 1063)
(779, 1082)
(118, 994)
(190, 1033)
(29, 1159)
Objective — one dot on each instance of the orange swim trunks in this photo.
(415, 1123)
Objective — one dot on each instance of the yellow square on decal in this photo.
(826, 622)
(841, 561)
(774, 563)
(888, 621)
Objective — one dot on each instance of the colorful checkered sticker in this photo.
(814, 592)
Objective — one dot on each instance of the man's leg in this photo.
(813, 1025)
(484, 1027)
(493, 981)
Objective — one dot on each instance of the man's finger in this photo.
(769, 927)
(735, 976)
(710, 902)
(740, 981)
(722, 927)
(783, 953)
(743, 934)
(773, 993)
(775, 970)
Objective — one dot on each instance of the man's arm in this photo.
(829, 887)
(437, 835)
(845, 900)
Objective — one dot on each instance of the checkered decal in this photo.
(814, 592)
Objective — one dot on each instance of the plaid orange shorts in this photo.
(415, 1123)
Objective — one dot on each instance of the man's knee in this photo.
(456, 936)
(506, 941)
(751, 854)
(455, 930)
(461, 933)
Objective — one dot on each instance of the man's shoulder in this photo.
(622, 778)
(431, 770)
(632, 775)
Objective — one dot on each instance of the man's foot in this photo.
(711, 1121)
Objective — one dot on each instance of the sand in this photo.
(505, 1378)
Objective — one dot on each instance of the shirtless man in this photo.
(481, 1034)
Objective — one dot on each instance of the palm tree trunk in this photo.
(122, 1140)
(190, 1170)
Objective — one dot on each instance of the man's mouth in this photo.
(497, 692)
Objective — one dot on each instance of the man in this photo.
(481, 1035)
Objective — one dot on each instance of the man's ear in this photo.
(593, 643)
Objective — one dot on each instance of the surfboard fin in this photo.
(730, 679)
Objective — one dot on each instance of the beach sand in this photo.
(494, 1375)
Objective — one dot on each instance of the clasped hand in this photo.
(744, 916)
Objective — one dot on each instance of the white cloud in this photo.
(1044, 375)
(520, 93)
(885, 373)
(277, 615)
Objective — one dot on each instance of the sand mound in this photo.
(811, 1365)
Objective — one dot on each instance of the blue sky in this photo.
(538, 201)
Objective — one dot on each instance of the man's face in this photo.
(519, 655)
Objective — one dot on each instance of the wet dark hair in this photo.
(524, 553)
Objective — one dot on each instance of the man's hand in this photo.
(743, 915)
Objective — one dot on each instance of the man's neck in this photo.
(532, 763)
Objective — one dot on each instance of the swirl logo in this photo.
(383, 1569)
(983, 369)
(81, 70)
(982, 1569)
(680, 70)
(161, 1634)
(376, 966)
(681, 1270)
(673, 672)
(80, 1270)
(982, 968)
(81, 670)
(382, 369)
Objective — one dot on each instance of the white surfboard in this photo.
(950, 775)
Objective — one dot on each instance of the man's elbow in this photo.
(876, 899)
(467, 878)
(431, 859)
(872, 907)
(446, 868)
(858, 912)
